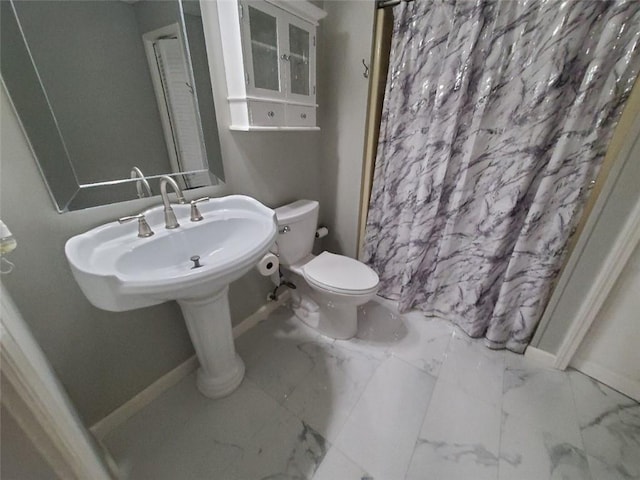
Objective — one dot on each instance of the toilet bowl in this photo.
(329, 287)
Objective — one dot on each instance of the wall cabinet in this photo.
(269, 49)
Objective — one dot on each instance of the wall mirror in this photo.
(103, 88)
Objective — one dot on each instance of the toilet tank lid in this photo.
(293, 212)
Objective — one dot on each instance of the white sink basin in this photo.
(119, 271)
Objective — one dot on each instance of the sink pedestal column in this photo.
(209, 324)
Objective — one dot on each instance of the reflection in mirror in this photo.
(105, 87)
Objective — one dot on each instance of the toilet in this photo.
(329, 287)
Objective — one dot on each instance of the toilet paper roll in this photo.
(268, 264)
(322, 232)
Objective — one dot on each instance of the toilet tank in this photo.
(302, 219)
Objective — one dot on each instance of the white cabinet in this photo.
(269, 49)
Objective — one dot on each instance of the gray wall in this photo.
(92, 63)
(19, 76)
(152, 14)
(345, 40)
(103, 358)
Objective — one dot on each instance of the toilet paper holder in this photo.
(322, 232)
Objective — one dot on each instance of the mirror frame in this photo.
(43, 133)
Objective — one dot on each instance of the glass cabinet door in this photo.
(263, 42)
(299, 61)
(279, 51)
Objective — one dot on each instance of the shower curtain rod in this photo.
(390, 3)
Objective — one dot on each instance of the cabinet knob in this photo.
(285, 57)
(271, 114)
(303, 115)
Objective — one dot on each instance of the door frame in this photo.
(34, 396)
(618, 254)
(148, 39)
(615, 261)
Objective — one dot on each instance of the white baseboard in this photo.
(103, 427)
(145, 397)
(624, 385)
(542, 357)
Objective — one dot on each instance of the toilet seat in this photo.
(340, 274)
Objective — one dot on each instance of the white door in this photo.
(181, 105)
(610, 352)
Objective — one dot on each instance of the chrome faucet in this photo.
(170, 220)
(144, 230)
(142, 182)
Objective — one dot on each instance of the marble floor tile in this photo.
(285, 448)
(337, 466)
(542, 397)
(289, 350)
(281, 369)
(186, 435)
(425, 342)
(610, 426)
(515, 361)
(383, 426)
(379, 327)
(459, 438)
(527, 453)
(614, 439)
(594, 399)
(378, 323)
(602, 471)
(281, 326)
(474, 368)
(314, 408)
(326, 396)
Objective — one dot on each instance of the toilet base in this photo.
(334, 321)
(330, 315)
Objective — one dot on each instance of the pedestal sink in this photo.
(119, 271)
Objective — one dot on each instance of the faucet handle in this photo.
(144, 230)
(196, 216)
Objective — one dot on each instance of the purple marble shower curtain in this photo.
(496, 119)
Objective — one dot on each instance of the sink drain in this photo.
(196, 261)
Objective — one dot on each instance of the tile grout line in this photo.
(279, 403)
(333, 445)
(422, 420)
(256, 431)
(426, 410)
(575, 405)
(502, 414)
(385, 356)
(355, 404)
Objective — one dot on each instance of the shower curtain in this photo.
(496, 118)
